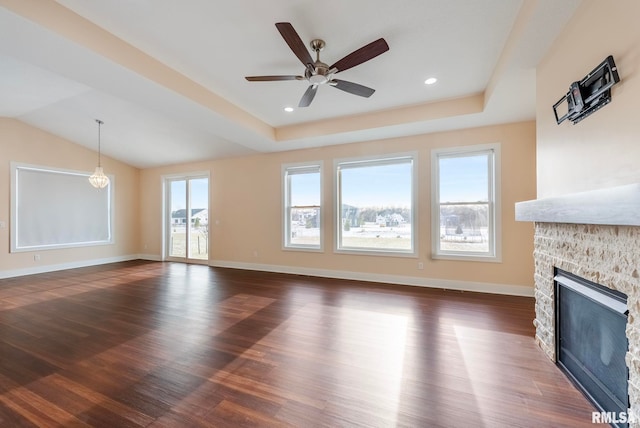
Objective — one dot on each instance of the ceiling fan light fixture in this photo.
(430, 81)
(318, 79)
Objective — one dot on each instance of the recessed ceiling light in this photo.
(288, 109)
(430, 81)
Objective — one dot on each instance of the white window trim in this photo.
(379, 160)
(495, 208)
(15, 245)
(301, 167)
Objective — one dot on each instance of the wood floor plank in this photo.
(172, 345)
(88, 403)
(37, 409)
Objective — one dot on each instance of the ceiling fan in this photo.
(317, 72)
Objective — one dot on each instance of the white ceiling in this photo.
(55, 74)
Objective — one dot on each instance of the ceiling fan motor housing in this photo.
(321, 73)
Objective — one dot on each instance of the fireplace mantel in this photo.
(618, 206)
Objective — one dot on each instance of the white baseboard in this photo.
(150, 257)
(447, 284)
(62, 266)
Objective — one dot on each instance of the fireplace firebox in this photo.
(591, 341)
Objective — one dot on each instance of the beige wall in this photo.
(22, 143)
(602, 150)
(246, 203)
(247, 206)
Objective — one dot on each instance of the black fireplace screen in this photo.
(591, 340)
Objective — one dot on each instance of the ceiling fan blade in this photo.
(272, 78)
(353, 88)
(308, 96)
(294, 41)
(361, 55)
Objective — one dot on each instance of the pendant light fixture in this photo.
(98, 179)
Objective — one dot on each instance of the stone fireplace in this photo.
(594, 235)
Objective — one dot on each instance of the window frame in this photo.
(300, 168)
(17, 190)
(494, 203)
(382, 159)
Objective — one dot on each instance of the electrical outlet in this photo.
(420, 265)
(255, 253)
(3, 224)
(36, 257)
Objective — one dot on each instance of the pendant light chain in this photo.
(99, 125)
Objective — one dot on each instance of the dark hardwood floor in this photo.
(171, 345)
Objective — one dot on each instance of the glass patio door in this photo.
(187, 219)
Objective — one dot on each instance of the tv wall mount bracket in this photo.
(589, 94)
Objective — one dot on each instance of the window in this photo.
(55, 208)
(376, 205)
(465, 202)
(302, 206)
